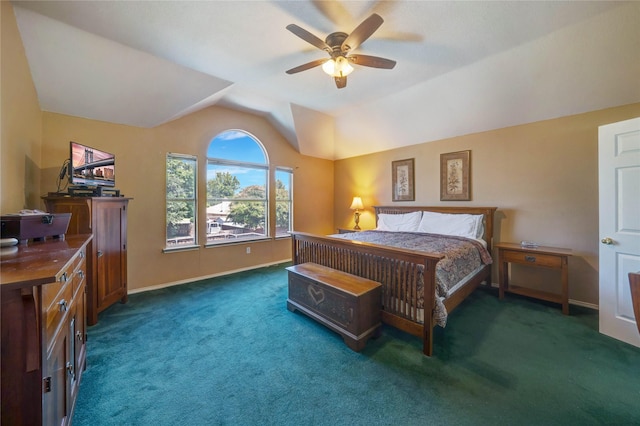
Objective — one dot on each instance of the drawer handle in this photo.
(64, 307)
(79, 336)
(99, 253)
(81, 273)
(63, 277)
(531, 259)
(70, 370)
(82, 254)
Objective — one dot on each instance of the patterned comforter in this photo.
(461, 257)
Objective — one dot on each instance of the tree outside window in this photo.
(181, 204)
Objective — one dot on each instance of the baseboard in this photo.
(584, 304)
(204, 277)
(571, 301)
(264, 265)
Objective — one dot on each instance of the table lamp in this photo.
(357, 205)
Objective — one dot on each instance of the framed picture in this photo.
(455, 177)
(402, 180)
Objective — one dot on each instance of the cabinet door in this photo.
(74, 365)
(55, 399)
(110, 252)
(80, 334)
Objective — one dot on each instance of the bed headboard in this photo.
(487, 212)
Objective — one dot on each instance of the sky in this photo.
(238, 145)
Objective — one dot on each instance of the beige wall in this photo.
(140, 167)
(543, 177)
(35, 145)
(20, 122)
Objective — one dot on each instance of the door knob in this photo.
(608, 241)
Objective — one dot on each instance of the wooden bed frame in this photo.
(398, 270)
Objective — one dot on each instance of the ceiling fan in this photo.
(339, 45)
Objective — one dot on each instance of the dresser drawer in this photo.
(537, 259)
(55, 313)
(51, 291)
(79, 276)
(79, 260)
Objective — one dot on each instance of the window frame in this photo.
(289, 171)
(216, 161)
(194, 200)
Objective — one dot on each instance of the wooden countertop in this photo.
(38, 263)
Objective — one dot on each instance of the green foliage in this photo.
(181, 176)
(248, 213)
(224, 185)
(249, 208)
(282, 207)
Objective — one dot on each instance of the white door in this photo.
(619, 182)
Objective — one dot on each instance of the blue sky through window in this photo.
(239, 146)
(236, 145)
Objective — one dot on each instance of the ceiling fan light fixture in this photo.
(340, 67)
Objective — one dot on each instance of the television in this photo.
(91, 167)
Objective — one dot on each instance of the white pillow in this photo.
(461, 225)
(406, 222)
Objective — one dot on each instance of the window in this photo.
(181, 201)
(237, 196)
(284, 202)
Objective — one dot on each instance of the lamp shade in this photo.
(356, 204)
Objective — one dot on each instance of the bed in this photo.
(411, 278)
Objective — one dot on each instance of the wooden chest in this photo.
(347, 304)
(24, 227)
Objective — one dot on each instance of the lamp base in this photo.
(357, 219)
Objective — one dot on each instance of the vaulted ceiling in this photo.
(462, 67)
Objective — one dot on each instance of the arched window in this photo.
(237, 188)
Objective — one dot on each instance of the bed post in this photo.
(429, 306)
(294, 251)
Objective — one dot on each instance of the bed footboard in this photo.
(404, 275)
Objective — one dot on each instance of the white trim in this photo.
(190, 280)
(584, 304)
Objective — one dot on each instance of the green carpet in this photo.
(226, 351)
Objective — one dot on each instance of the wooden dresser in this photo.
(106, 219)
(43, 330)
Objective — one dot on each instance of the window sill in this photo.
(181, 248)
(237, 242)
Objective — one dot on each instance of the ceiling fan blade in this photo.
(335, 12)
(309, 38)
(372, 61)
(307, 66)
(362, 32)
(341, 82)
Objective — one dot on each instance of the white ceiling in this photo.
(462, 67)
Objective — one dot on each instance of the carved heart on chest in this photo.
(317, 294)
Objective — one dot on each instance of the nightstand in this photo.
(347, 231)
(539, 257)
